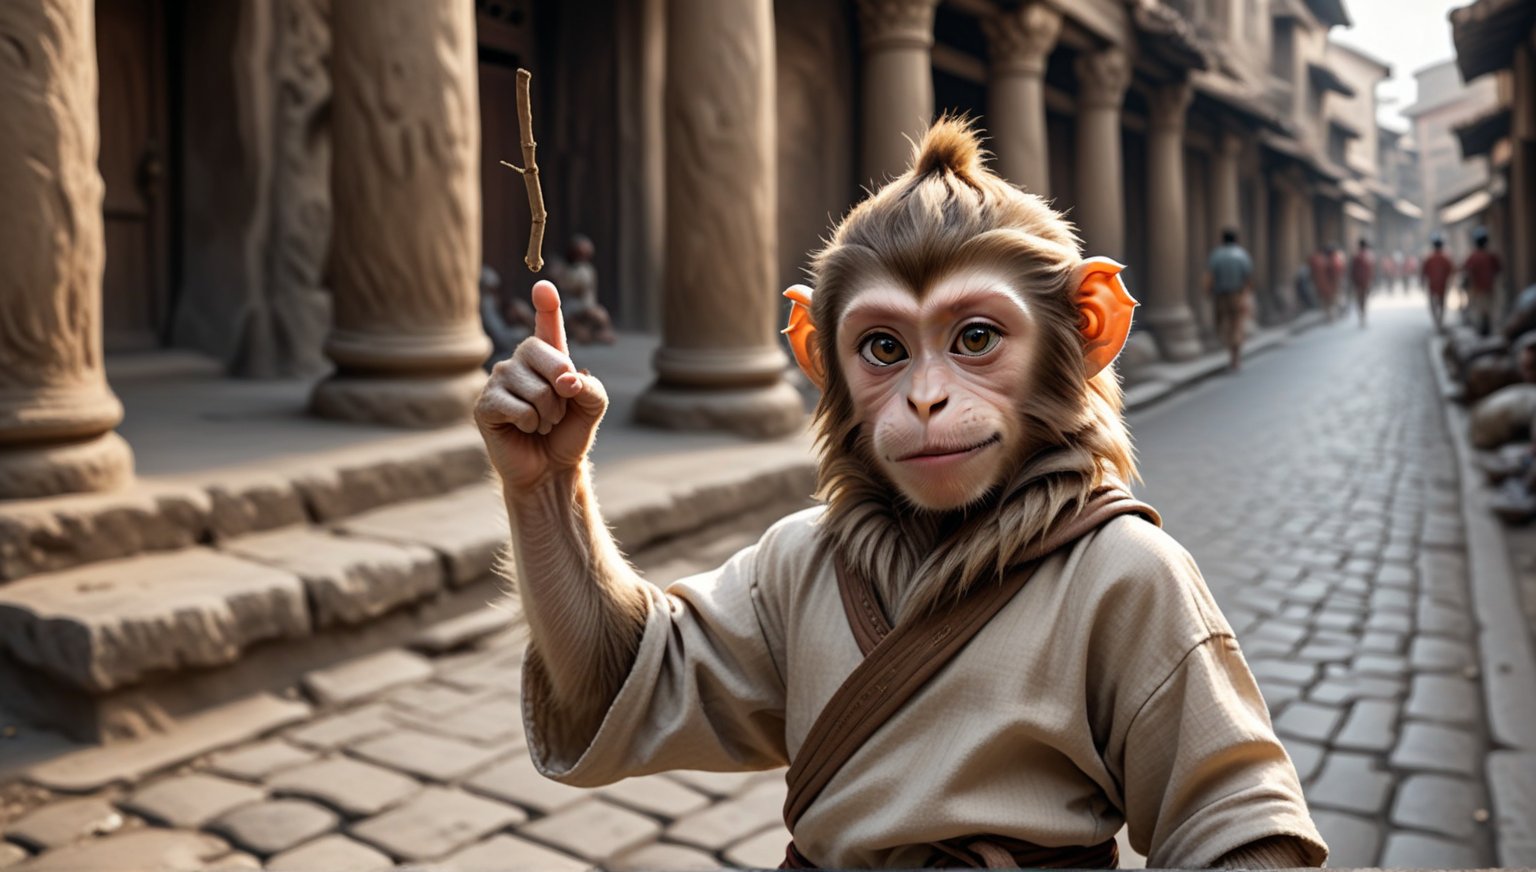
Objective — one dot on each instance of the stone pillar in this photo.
(405, 190)
(1224, 183)
(720, 365)
(56, 411)
(1167, 311)
(896, 36)
(1018, 44)
(1102, 78)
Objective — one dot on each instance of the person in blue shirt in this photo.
(1229, 279)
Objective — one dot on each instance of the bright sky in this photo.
(1409, 35)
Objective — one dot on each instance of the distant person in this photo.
(1229, 278)
(1386, 278)
(1320, 265)
(1437, 272)
(1410, 270)
(1362, 268)
(1336, 268)
(586, 319)
(1480, 270)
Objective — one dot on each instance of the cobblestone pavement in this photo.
(1316, 489)
(1318, 493)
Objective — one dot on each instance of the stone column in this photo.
(1018, 44)
(1102, 78)
(896, 37)
(56, 411)
(1167, 311)
(1224, 183)
(720, 365)
(405, 189)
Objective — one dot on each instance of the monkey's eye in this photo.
(977, 339)
(882, 349)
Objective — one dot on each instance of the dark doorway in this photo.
(131, 58)
(506, 35)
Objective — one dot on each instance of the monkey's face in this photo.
(937, 383)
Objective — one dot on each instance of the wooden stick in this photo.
(530, 174)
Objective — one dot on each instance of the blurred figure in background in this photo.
(1481, 269)
(1362, 268)
(585, 318)
(1337, 264)
(1410, 270)
(1437, 273)
(1228, 278)
(1320, 265)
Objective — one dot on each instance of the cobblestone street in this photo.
(1317, 490)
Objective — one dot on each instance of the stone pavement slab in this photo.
(272, 827)
(1415, 851)
(96, 767)
(256, 762)
(333, 853)
(463, 630)
(1436, 748)
(189, 801)
(1439, 804)
(1371, 726)
(351, 787)
(494, 720)
(344, 728)
(593, 830)
(105, 625)
(663, 857)
(433, 757)
(1512, 785)
(10, 855)
(504, 853)
(466, 528)
(722, 825)
(1448, 699)
(367, 676)
(1353, 783)
(62, 823)
(349, 580)
(657, 796)
(1353, 842)
(435, 823)
(515, 780)
(762, 851)
(716, 783)
(156, 849)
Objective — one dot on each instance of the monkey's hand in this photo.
(537, 414)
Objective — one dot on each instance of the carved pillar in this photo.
(1224, 182)
(1167, 310)
(720, 365)
(405, 188)
(1287, 255)
(1102, 78)
(896, 36)
(1018, 44)
(56, 411)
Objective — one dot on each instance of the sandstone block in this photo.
(61, 823)
(157, 849)
(594, 830)
(352, 787)
(437, 822)
(257, 762)
(657, 796)
(106, 625)
(466, 528)
(366, 676)
(333, 853)
(189, 801)
(762, 851)
(660, 856)
(344, 729)
(463, 630)
(349, 580)
(515, 780)
(505, 853)
(421, 754)
(270, 827)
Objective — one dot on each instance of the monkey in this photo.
(976, 648)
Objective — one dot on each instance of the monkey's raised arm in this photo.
(584, 605)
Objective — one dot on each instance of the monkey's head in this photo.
(962, 334)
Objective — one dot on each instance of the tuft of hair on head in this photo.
(951, 145)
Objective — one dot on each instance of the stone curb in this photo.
(1167, 379)
(1505, 652)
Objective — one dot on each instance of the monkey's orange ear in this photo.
(1104, 310)
(802, 335)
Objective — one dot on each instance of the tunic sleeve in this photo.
(1204, 773)
(705, 690)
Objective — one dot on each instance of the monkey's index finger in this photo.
(548, 322)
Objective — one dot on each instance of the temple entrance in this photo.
(131, 53)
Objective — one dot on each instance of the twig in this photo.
(530, 174)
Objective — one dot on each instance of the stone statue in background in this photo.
(585, 318)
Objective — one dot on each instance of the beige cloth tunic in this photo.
(1109, 691)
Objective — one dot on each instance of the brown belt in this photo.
(899, 661)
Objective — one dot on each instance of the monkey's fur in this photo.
(948, 213)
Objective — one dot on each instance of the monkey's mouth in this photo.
(949, 453)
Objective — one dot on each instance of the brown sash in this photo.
(899, 661)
